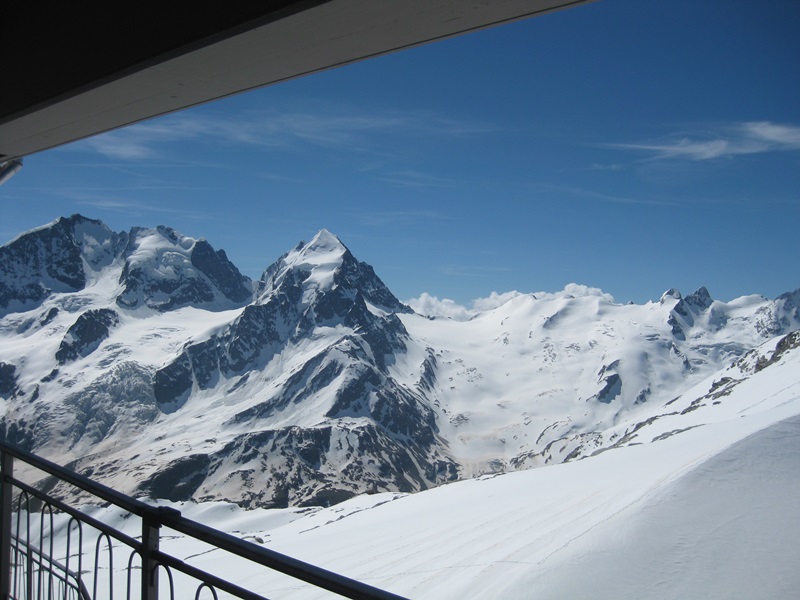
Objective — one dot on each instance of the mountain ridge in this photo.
(315, 384)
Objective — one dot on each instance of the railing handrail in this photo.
(76, 582)
(172, 518)
(104, 492)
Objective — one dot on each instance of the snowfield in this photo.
(710, 510)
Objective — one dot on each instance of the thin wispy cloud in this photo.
(607, 167)
(353, 131)
(134, 208)
(417, 179)
(138, 141)
(585, 194)
(396, 217)
(785, 137)
(753, 137)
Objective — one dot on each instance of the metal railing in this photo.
(51, 550)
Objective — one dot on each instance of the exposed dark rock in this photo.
(42, 261)
(351, 275)
(174, 271)
(8, 379)
(18, 432)
(686, 313)
(675, 327)
(312, 377)
(179, 480)
(786, 343)
(611, 389)
(221, 272)
(780, 317)
(699, 299)
(296, 466)
(172, 384)
(29, 432)
(48, 316)
(643, 395)
(670, 294)
(86, 334)
(264, 329)
(354, 274)
(427, 378)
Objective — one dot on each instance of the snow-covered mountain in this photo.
(701, 502)
(147, 360)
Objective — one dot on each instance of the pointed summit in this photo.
(670, 294)
(312, 265)
(324, 253)
(324, 264)
(166, 270)
(50, 259)
(324, 242)
(700, 298)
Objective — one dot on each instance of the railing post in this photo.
(29, 569)
(7, 466)
(150, 545)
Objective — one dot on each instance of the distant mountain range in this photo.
(145, 359)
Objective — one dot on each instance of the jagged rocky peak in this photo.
(780, 316)
(790, 304)
(53, 258)
(165, 270)
(317, 284)
(323, 265)
(98, 244)
(700, 298)
(670, 294)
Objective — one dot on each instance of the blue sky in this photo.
(630, 145)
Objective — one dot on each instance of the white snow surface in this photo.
(318, 259)
(710, 512)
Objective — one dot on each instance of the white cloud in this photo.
(782, 135)
(431, 306)
(138, 141)
(578, 291)
(352, 131)
(753, 137)
(493, 300)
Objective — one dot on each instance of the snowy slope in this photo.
(709, 511)
(539, 380)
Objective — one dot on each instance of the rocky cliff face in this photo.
(373, 434)
(53, 259)
(165, 270)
